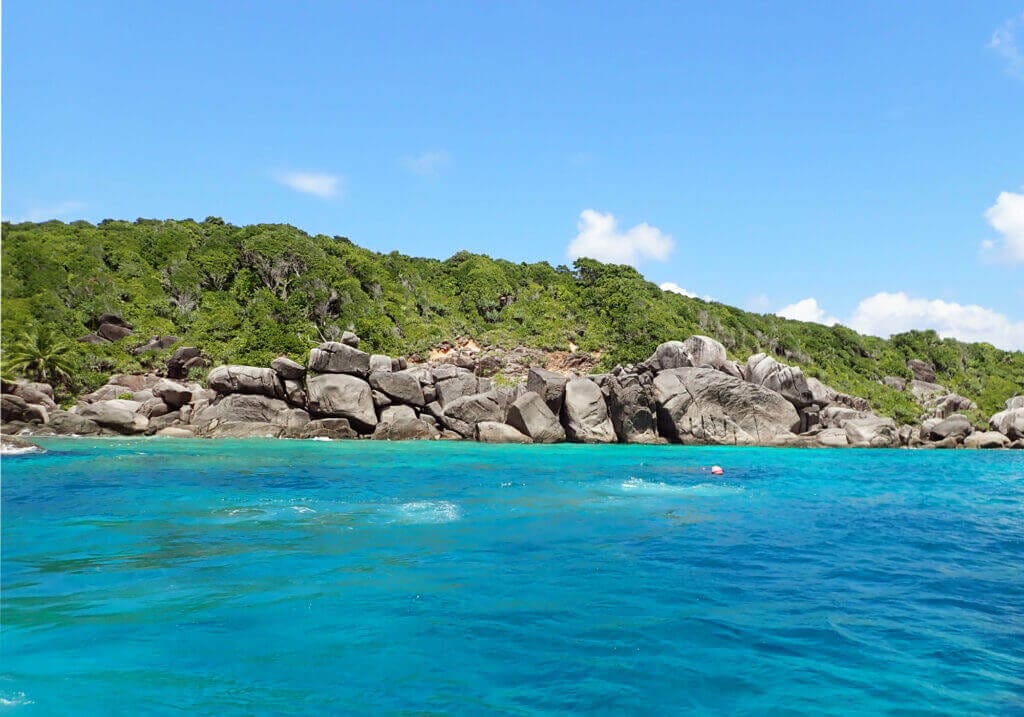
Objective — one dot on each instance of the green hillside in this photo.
(245, 294)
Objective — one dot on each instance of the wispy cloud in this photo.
(319, 184)
(1007, 217)
(599, 238)
(1004, 42)
(429, 164)
(61, 210)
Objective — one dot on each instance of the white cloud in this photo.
(807, 310)
(429, 164)
(599, 238)
(884, 314)
(676, 289)
(319, 184)
(54, 211)
(1004, 42)
(1007, 217)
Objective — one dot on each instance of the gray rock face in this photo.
(701, 405)
(242, 429)
(922, 370)
(287, 369)
(182, 359)
(245, 379)
(458, 384)
(923, 390)
(239, 408)
(872, 432)
(986, 439)
(832, 438)
(119, 415)
(585, 413)
(333, 428)
(956, 425)
(946, 406)
(334, 357)
(13, 408)
(492, 432)
(550, 386)
(379, 362)
(104, 393)
(1011, 403)
(295, 392)
(350, 339)
(405, 429)
(462, 414)
(175, 432)
(172, 393)
(336, 395)
(1009, 422)
(836, 416)
(40, 394)
(64, 423)
(154, 408)
(402, 387)
(631, 407)
(705, 351)
(896, 382)
(669, 355)
(392, 414)
(788, 381)
(529, 415)
(113, 332)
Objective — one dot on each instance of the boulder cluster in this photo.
(687, 392)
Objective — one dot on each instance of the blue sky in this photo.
(860, 162)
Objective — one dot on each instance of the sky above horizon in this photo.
(852, 162)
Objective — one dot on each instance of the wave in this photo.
(429, 511)
(20, 450)
(639, 485)
(14, 700)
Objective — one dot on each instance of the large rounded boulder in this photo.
(585, 413)
(245, 379)
(336, 395)
(702, 405)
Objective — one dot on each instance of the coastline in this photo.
(687, 393)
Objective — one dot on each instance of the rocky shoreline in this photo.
(687, 392)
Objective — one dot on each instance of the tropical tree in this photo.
(42, 356)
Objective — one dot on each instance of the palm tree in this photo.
(41, 356)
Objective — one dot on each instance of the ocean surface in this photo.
(158, 576)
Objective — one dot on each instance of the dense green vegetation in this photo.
(245, 294)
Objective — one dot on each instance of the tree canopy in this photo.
(246, 294)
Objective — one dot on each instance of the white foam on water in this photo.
(320, 438)
(639, 485)
(302, 509)
(19, 450)
(429, 511)
(14, 700)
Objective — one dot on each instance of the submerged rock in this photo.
(16, 446)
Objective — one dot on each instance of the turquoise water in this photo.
(268, 577)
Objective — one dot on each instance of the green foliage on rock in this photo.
(246, 294)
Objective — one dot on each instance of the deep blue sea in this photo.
(151, 576)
